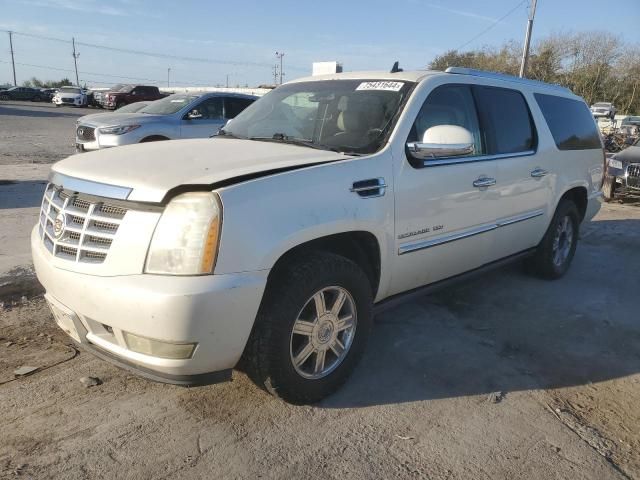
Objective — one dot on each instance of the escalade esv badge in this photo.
(59, 225)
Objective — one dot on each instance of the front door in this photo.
(444, 208)
(204, 120)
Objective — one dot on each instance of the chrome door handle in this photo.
(538, 172)
(484, 182)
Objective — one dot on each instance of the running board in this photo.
(404, 297)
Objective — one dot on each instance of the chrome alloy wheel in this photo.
(562, 241)
(323, 332)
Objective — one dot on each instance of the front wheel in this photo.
(311, 329)
(558, 246)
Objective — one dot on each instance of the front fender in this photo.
(266, 217)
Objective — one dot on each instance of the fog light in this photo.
(156, 348)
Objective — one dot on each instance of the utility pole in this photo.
(527, 38)
(75, 59)
(275, 74)
(280, 55)
(168, 75)
(13, 65)
(227, 80)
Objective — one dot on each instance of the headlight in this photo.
(118, 130)
(186, 238)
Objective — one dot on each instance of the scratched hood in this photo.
(150, 170)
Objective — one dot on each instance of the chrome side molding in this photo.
(433, 242)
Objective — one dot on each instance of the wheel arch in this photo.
(154, 138)
(578, 195)
(359, 246)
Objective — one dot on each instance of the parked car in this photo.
(623, 173)
(129, 94)
(178, 116)
(327, 199)
(98, 95)
(48, 93)
(603, 109)
(21, 93)
(630, 122)
(73, 96)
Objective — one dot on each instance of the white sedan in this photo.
(74, 96)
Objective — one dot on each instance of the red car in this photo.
(130, 94)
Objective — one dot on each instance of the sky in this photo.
(238, 40)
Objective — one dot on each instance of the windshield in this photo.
(351, 116)
(69, 90)
(168, 105)
(125, 89)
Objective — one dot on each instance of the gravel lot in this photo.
(504, 377)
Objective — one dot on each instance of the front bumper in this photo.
(106, 141)
(215, 311)
(76, 102)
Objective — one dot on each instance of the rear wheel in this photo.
(311, 329)
(558, 246)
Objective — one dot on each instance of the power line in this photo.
(123, 77)
(492, 25)
(150, 54)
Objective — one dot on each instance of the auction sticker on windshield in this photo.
(388, 86)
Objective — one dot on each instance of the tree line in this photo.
(37, 83)
(598, 66)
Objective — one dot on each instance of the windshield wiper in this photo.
(282, 138)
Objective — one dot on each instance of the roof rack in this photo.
(505, 77)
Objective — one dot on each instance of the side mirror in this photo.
(193, 114)
(443, 141)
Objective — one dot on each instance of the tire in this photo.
(552, 260)
(120, 105)
(154, 138)
(609, 188)
(290, 296)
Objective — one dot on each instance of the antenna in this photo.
(396, 67)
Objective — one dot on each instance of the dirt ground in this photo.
(505, 377)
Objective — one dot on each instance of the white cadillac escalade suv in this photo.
(275, 242)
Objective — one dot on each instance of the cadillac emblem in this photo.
(59, 225)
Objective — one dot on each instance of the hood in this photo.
(150, 170)
(108, 119)
(630, 154)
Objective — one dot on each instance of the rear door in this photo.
(524, 174)
(207, 119)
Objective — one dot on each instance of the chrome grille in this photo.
(633, 175)
(86, 228)
(86, 134)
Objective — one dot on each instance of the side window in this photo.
(210, 109)
(233, 106)
(506, 121)
(448, 105)
(570, 122)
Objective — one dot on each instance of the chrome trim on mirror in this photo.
(90, 187)
(425, 151)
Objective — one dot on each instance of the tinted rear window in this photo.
(570, 122)
(505, 119)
